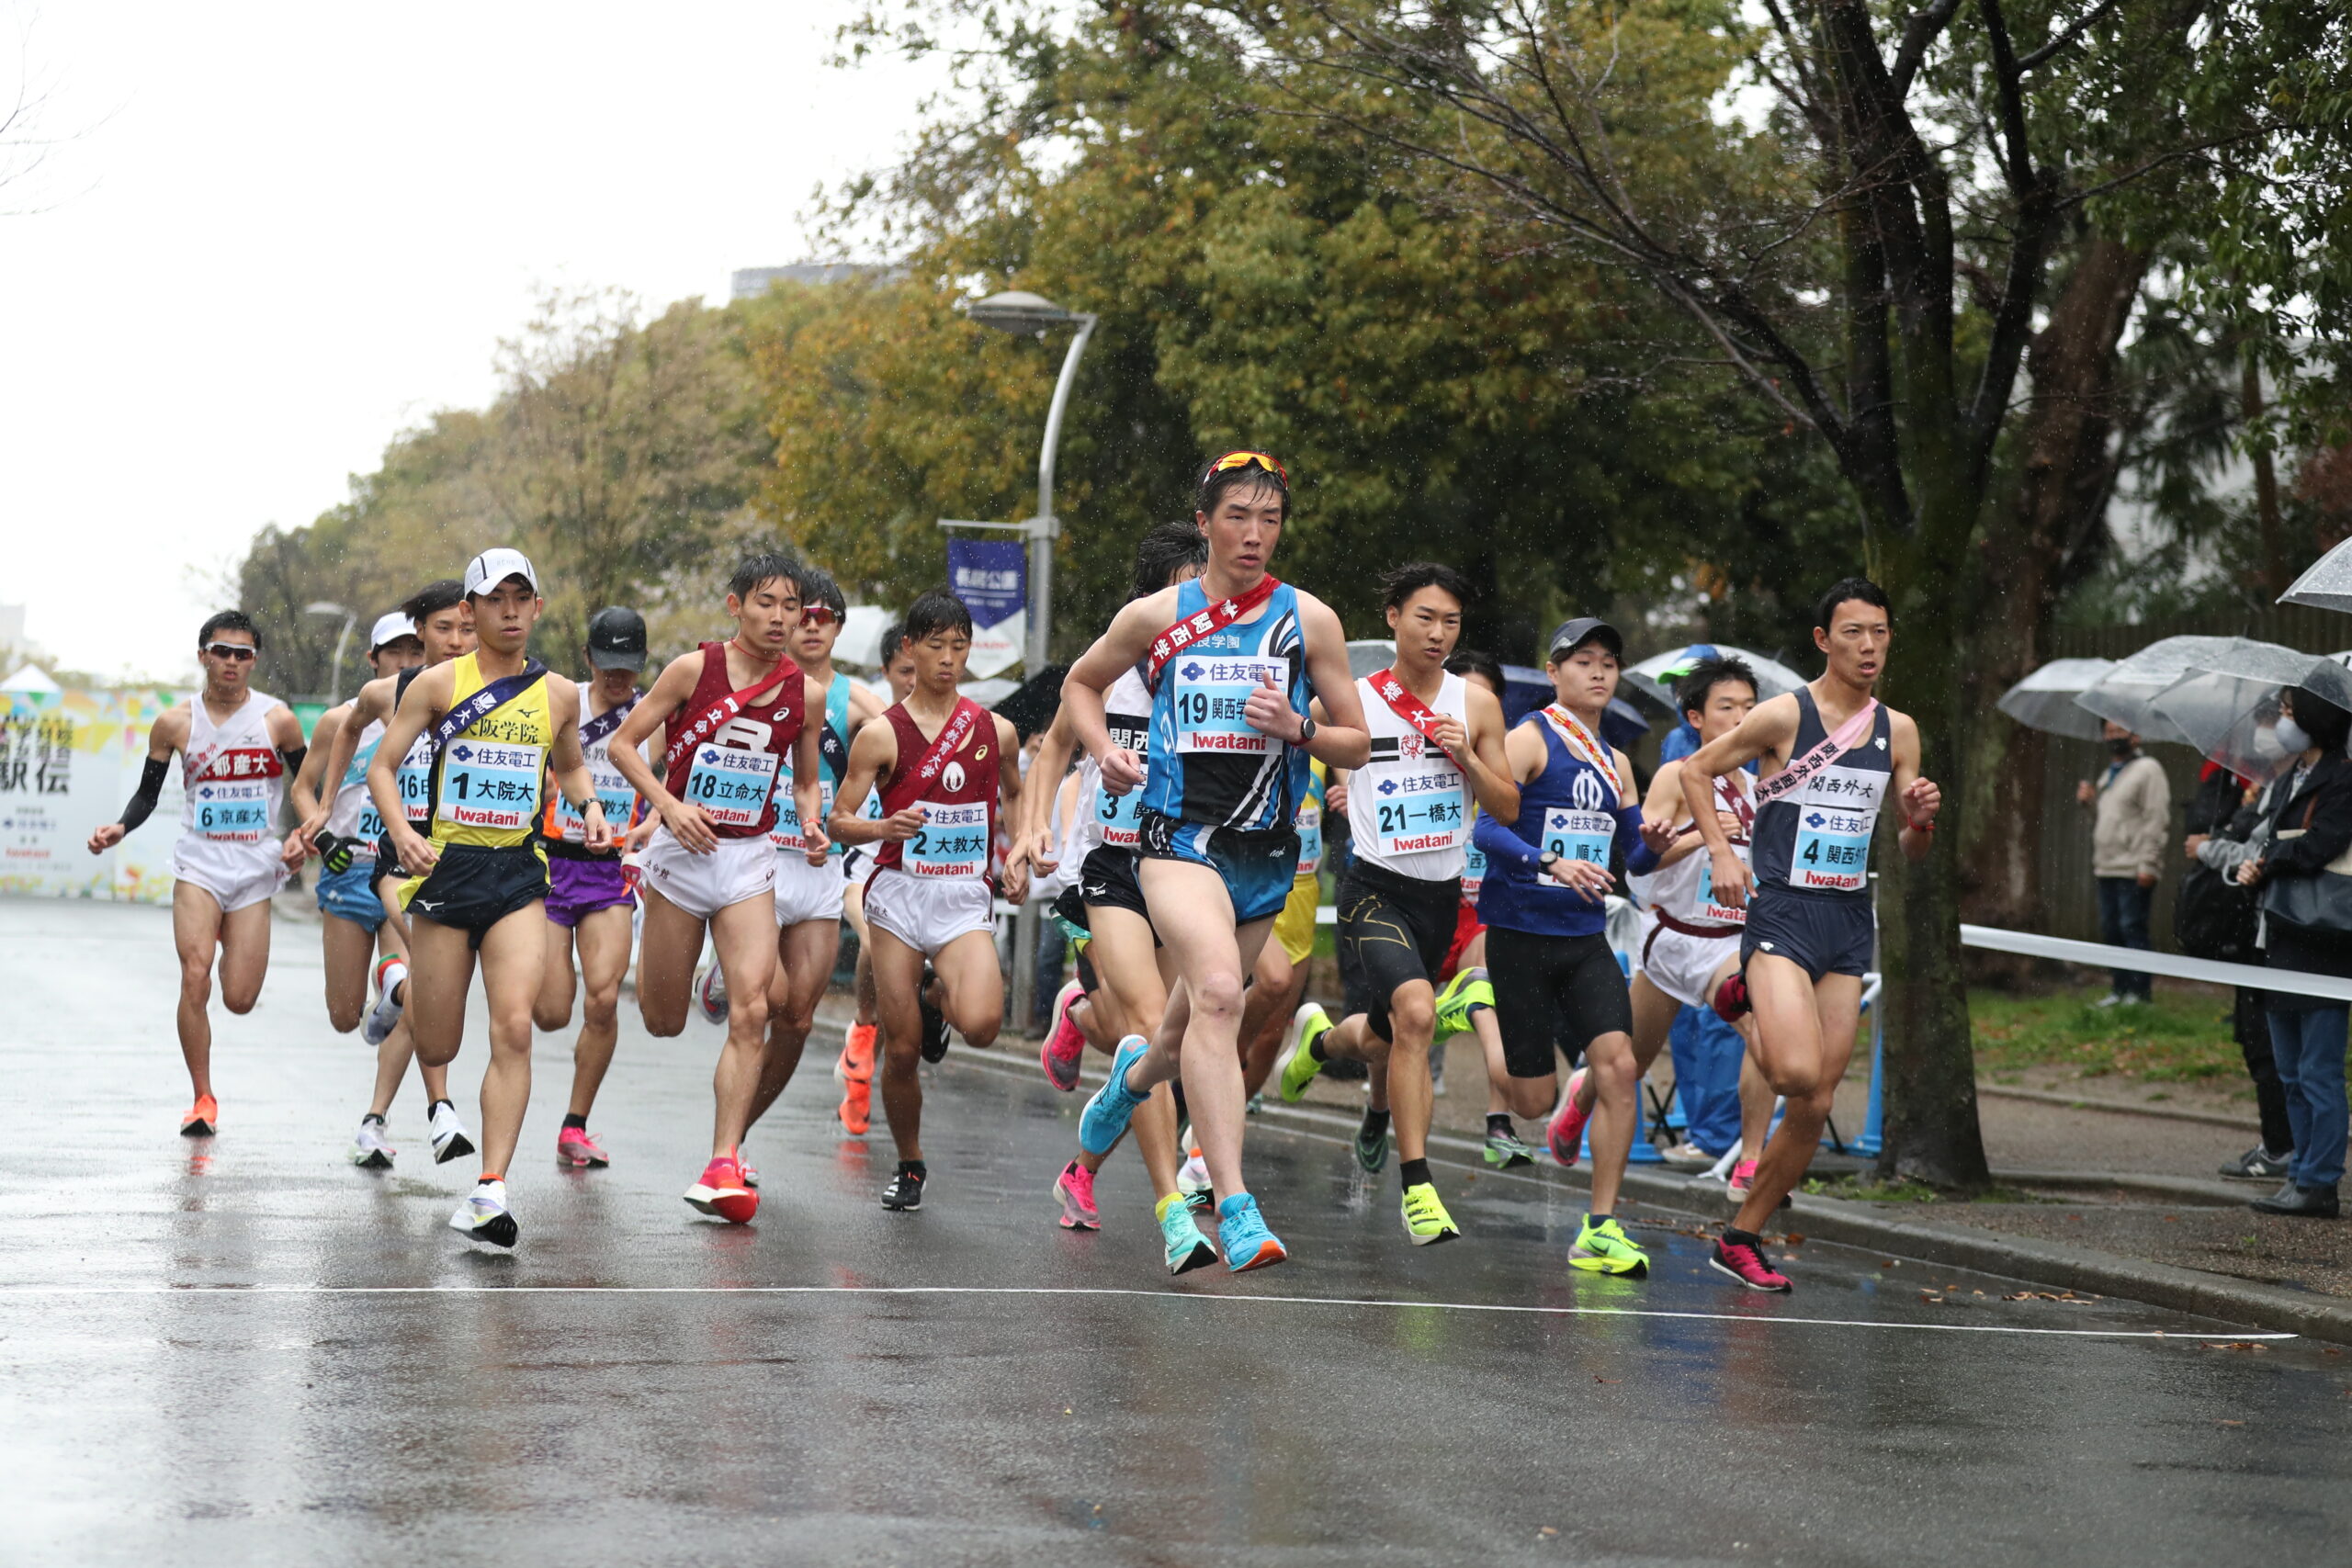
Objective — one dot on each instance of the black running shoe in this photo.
(934, 1032)
(905, 1191)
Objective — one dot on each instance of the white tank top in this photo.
(354, 816)
(1408, 808)
(234, 779)
(1110, 819)
(1686, 890)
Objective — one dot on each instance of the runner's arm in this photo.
(286, 733)
(567, 762)
(166, 735)
(1507, 847)
(1118, 649)
(372, 704)
(1769, 728)
(1033, 840)
(304, 791)
(808, 778)
(1661, 815)
(1918, 799)
(871, 755)
(1485, 761)
(1014, 885)
(1344, 742)
(672, 690)
(428, 698)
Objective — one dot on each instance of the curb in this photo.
(2184, 1190)
(2118, 1107)
(2244, 1302)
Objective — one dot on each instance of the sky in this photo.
(270, 236)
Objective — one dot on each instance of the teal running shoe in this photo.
(1187, 1248)
(1248, 1242)
(1298, 1067)
(1506, 1152)
(1105, 1120)
(1468, 989)
(1372, 1149)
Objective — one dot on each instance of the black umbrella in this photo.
(1033, 704)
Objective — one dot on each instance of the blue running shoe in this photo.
(1242, 1230)
(1105, 1120)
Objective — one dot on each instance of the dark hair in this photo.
(431, 598)
(1847, 588)
(894, 637)
(937, 610)
(1473, 661)
(1165, 550)
(1411, 578)
(1691, 694)
(818, 587)
(763, 566)
(230, 620)
(2320, 719)
(1213, 487)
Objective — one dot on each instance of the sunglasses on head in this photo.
(818, 615)
(1248, 460)
(229, 649)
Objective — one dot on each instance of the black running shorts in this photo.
(1547, 988)
(474, 886)
(1392, 930)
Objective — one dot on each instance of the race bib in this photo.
(1474, 870)
(733, 785)
(1703, 900)
(1579, 835)
(490, 786)
(233, 811)
(1309, 825)
(1210, 695)
(1836, 809)
(613, 793)
(953, 842)
(415, 777)
(786, 834)
(1116, 814)
(1418, 812)
(371, 827)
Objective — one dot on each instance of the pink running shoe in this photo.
(1745, 1262)
(1074, 1189)
(1565, 1133)
(1064, 1045)
(721, 1191)
(1743, 1177)
(574, 1146)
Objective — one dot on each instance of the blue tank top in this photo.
(1207, 765)
(1572, 809)
(1816, 839)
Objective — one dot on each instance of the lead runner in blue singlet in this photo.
(1810, 924)
(1233, 658)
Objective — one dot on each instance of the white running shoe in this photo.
(385, 1015)
(483, 1215)
(449, 1138)
(1193, 1176)
(370, 1150)
(710, 994)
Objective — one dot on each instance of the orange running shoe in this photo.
(203, 1118)
(857, 1108)
(856, 1063)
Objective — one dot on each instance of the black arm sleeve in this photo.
(150, 788)
(293, 755)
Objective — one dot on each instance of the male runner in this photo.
(354, 926)
(500, 723)
(1553, 976)
(1437, 747)
(236, 747)
(946, 767)
(591, 904)
(1831, 754)
(1233, 658)
(444, 622)
(734, 712)
(1125, 967)
(853, 1069)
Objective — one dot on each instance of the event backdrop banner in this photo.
(992, 576)
(68, 761)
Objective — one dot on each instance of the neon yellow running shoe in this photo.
(1299, 1064)
(1468, 986)
(1426, 1220)
(1603, 1247)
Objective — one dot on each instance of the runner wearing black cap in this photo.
(591, 904)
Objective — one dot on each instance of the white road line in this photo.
(1098, 1290)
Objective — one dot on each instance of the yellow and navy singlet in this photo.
(486, 781)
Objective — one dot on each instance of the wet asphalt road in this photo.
(248, 1351)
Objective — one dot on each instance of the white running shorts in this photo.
(1681, 964)
(237, 875)
(738, 871)
(928, 913)
(805, 892)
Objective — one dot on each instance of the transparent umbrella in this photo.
(2229, 711)
(2125, 692)
(1653, 677)
(2327, 582)
(2045, 699)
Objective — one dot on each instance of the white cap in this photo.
(389, 628)
(490, 567)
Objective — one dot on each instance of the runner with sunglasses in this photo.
(730, 713)
(444, 623)
(236, 747)
(1232, 660)
(1832, 755)
(1436, 755)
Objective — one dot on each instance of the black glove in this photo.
(333, 854)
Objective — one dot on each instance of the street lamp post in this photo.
(341, 640)
(1023, 314)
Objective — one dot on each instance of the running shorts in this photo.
(1547, 988)
(350, 895)
(1392, 930)
(1295, 926)
(1257, 868)
(1822, 933)
(928, 912)
(1681, 964)
(387, 862)
(235, 884)
(1466, 927)
(580, 886)
(474, 886)
(805, 892)
(737, 872)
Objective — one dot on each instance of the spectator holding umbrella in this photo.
(2213, 917)
(2131, 813)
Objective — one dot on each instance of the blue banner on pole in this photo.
(992, 576)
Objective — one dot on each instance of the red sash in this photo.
(720, 712)
(1583, 743)
(1736, 799)
(1194, 628)
(950, 739)
(1849, 734)
(1409, 708)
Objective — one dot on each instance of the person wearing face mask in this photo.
(2132, 807)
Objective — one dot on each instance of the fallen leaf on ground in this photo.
(2235, 1345)
(1547, 1529)
(1795, 1240)
(2229, 1423)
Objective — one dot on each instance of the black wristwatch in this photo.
(1306, 729)
(1546, 862)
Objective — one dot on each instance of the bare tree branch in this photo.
(2067, 35)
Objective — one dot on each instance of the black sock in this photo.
(1413, 1172)
(371, 1116)
(1735, 1236)
(1315, 1046)
(1376, 1124)
(1498, 1125)
(578, 1122)
(1184, 1113)
(913, 1168)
